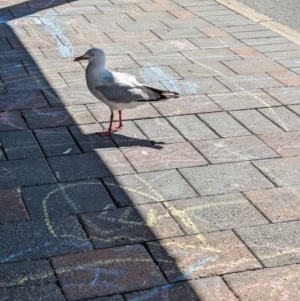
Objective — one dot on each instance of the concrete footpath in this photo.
(196, 198)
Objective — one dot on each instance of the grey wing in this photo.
(124, 88)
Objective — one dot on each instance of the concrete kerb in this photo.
(269, 23)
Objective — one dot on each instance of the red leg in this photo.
(113, 128)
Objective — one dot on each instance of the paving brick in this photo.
(202, 69)
(149, 74)
(286, 144)
(154, 60)
(281, 55)
(214, 213)
(277, 47)
(183, 14)
(228, 20)
(216, 42)
(48, 42)
(213, 31)
(254, 65)
(287, 77)
(187, 23)
(102, 162)
(127, 37)
(240, 100)
(11, 207)
(141, 25)
(256, 122)
(234, 149)
(124, 268)
(20, 145)
(110, 298)
(224, 124)
(286, 95)
(186, 105)
(225, 178)
(11, 121)
(66, 199)
(241, 28)
(283, 117)
(129, 225)
(26, 273)
(265, 41)
(170, 45)
(295, 108)
(208, 289)
(273, 244)
(247, 52)
(169, 156)
(84, 39)
(148, 187)
(87, 136)
(254, 34)
(52, 117)
(25, 173)
(178, 33)
(13, 68)
(277, 204)
(165, 5)
(195, 86)
(42, 238)
(268, 284)
(159, 130)
(129, 136)
(102, 113)
(282, 171)
(48, 292)
(56, 141)
(24, 100)
(211, 54)
(2, 157)
(192, 128)
(70, 96)
(249, 81)
(154, 15)
(197, 256)
(64, 10)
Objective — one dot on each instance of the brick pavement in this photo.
(195, 199)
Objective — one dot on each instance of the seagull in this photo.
(117, 90)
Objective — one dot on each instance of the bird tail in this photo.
(164, 93)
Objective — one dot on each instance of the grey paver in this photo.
(295, 108)
(20, 145)
(103, 162)
(202, 69)
(11, 206)
(87, 136)
(256, 122)
(270, 284)
(148, 187)
(274, 244)
(218, 54)
(159, 130)
(277, 55)
(66, 199)
(279, 204)
(224, 124)
(254, 34)
(208, 254)
(247, 52)
(251, 81)
(286, 95)
(225, 178)
(234, 149)
(186, 23)
(11, 121)
(253, 66)
(265, 41)
(125, 269)
(178, 33)
(216, 42)
(168, 156)
(244, 100)
(209, 289)
(42, 238)
(56, 141)
(129, 225)
(277, 47)
(187, 105)
(192, 128)
(48, 292)
(26, 273)
(170, 45)
(25, 173)
(283, 117)
(214, 213)
(282, 171)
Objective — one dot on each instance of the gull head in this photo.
(93, 55)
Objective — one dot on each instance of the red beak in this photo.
(80, 58)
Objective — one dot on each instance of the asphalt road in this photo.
(285, 12)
